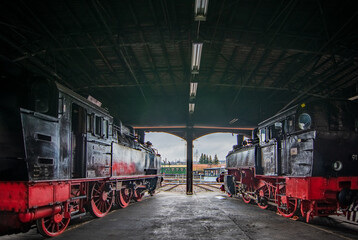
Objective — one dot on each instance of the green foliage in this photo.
(216, 159)
(210, 160)
(206, 159)
(201, 159)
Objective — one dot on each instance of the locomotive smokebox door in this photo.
(229, 183)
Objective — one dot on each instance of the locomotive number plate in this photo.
(118, 185)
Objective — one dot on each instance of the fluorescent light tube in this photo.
(193, 88)
(353, 98)
(233, 120)
(191, 107)
(201, 8)
(195, 57)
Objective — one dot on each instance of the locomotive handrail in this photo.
(82, 99)
(99, 142)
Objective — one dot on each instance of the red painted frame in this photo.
(318, 188)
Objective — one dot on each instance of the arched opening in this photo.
(214, 144)
(171, 148)
(209, 155)
(173, 153)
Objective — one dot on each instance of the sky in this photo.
(173, 148)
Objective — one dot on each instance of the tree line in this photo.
(207, 159)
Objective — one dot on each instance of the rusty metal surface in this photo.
(127, 161)
(41, 136)
(269, 158)
(244, 157)
(98, 162)
(297, 151)
(331, 137)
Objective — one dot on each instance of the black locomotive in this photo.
(61, 156)
(301, 160)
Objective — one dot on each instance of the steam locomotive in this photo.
(303, 161)
(62, 156)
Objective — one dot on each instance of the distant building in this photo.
(171, 169)
(210, 174)
(198, 169)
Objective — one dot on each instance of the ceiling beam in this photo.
(272, 67)
(163, 45)
(43, 26)
(343, 81)
(317, 81)
(118, 52)
(320, 50)
(253, 71)
(84, 56)
(146, 47)
(229, 64)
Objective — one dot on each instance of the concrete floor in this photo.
(205, 215)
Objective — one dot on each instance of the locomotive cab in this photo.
(61, 156)
(305, 159)
(24, 107)
(318, 139)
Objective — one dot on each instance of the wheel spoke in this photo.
(48, 227)
(97, 191)
(288, 208)
(100, 207)
(263, 197)
(53, 227)
(122, 197)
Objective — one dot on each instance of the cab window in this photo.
(98, 126)
(105, 128)
(263, 135)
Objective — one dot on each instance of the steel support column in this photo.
(189, 161)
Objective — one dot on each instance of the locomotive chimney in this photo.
(240, 139)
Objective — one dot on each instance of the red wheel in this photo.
(123, 197)
(246, 198)
(52, 226)
(101, 199)
(264, 195)
(138, 195)
(286, 206)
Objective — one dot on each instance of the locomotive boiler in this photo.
(303, 161)
(62, 156)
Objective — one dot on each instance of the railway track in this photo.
(213, 186)
(204, 186)
(172, 187)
